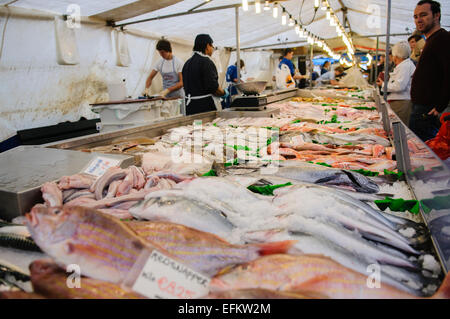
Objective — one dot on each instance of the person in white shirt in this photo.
(399, 84)
(170, 68)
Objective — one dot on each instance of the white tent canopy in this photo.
(365, 17)
(37, 90)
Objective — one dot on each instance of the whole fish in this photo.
(50, 280)
(309, 273)
(335, 177)
(103, 247)
(340, 236)
(307, 244)
(173, 206)
(18, 241)
(207, 252)
(337, 211)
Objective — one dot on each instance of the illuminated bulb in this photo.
(283, 18)
(316, 3)
(297, 29)
(266, 6)
(245, 5)
(328, 15)
(332, 22)
(257, 6)
(275, 11)
(291, 22)
(324, 5)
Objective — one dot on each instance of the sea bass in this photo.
(50, 280)
(173, 207)
(205, 251)
(308, 244)
(309, 273)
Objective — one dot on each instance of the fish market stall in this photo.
(242, 181)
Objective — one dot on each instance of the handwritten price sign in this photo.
(163, 277)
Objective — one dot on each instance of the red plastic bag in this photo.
(440, 144)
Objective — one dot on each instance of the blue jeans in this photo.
(423, 125)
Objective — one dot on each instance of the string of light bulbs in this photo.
(334, 22)
(287, 19)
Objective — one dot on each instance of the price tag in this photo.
(99, 165)
(163, 277)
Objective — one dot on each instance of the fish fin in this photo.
(278, 247)
(443, 291)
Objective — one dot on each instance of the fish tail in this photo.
(444, 291)
(278, 247)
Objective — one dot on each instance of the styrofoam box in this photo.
(149, 112)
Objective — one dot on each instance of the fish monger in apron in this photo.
(200, 79)
(170, 68)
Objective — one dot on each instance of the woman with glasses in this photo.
(200, 78)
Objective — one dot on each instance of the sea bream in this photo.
(310, 273)
(103, 247)
(208, 253)
(50, 280)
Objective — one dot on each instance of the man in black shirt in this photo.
(201, 79)
(430, 86)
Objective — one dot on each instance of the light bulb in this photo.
(316, 3)
(291, 22)
(297, 29)
(245, 5)
(328, 15)
(324, 5)
(332, 22)
(283, 18)
(266, 6)
(258, 6)
(275, 11)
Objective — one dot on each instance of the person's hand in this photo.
(226, 94)
(379, 82)
(433, 112)
(146, 92)
(163, 93)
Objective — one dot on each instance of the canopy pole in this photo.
(238, 46)
(388, 38)
(376, 62)
(311, 67)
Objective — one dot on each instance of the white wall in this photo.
(35, 91)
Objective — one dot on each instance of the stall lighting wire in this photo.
(300, 15)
